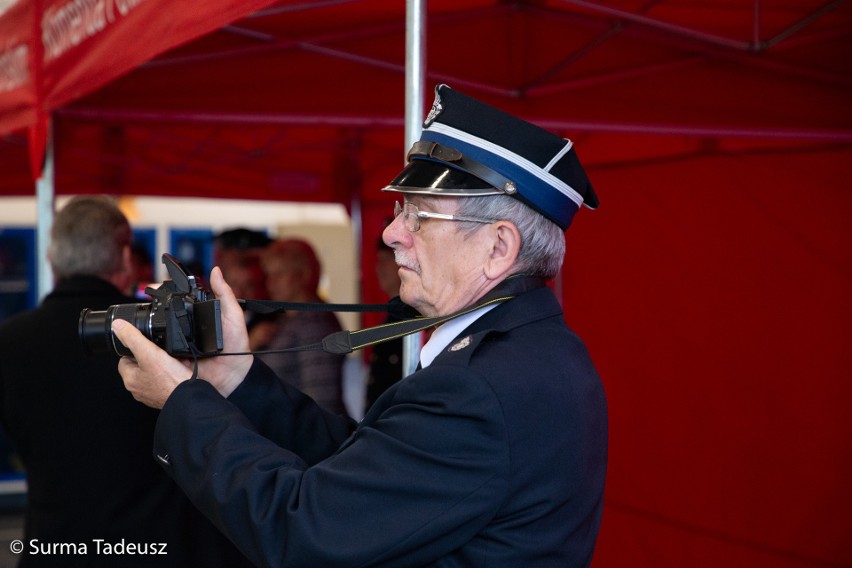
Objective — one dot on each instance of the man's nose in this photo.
(396, 235)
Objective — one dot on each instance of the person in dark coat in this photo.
(385, 358)
(94, 496)
(492, 454)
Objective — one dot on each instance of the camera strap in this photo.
(343, 342)
(394, 306)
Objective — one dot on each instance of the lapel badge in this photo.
(461, 344)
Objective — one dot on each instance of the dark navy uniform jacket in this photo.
(493, 456)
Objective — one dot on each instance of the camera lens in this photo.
(95, 327)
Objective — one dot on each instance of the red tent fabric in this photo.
(719, 314)
(55, 51)
(711, 286)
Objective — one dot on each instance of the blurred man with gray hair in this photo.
(83, 440)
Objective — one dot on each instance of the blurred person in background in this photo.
(232, 246)
(84, 442)
(237, 253)
(385, 358)
(293, 272)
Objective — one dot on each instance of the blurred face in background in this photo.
(248, 280)
(283, 280)
(292, 271)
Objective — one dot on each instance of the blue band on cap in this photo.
(555, 203)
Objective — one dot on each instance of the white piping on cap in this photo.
(502, 152)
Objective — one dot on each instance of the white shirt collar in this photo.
(447, 332)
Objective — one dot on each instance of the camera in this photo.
(183, 318)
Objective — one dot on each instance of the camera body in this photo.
(183, 318)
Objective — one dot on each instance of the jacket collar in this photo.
(532, 305)
(80, 285)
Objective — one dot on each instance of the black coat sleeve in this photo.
(414, 484)
(288, 417)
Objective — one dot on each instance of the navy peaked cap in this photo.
(468, 148)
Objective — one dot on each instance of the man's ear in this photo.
(505, 247)
(127, 258)
(122, 278)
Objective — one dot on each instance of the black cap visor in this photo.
(439, 178)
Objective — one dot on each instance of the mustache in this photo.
(404, 262)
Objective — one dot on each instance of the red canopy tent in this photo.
(55, 51)
(712, 284)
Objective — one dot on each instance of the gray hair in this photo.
(88, 238)
(542, 241)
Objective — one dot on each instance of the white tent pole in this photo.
(415, 52)
(415, 56)
(45, 192)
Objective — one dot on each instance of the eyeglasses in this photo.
(411, 216)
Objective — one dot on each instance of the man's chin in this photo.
(409, 296)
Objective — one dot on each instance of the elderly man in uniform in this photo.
(492, 454)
